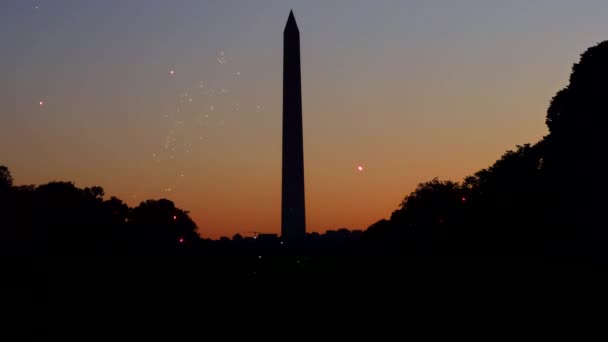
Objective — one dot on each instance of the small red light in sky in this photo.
(175, 217)
(360, 168)
(41, 103)
(464, 199)
(172, 72)
(181, 240)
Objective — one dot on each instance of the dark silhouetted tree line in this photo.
(545, 201)
(60, 219)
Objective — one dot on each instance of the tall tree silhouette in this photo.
(575, 151)
(6, 180)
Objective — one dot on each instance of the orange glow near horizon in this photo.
(183, 100)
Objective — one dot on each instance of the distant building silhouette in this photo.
(293, 217)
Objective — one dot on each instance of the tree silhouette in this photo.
(59, 218)
(433, 202)
(69, 220)
(161, 228)
(575, 160)
(6, 180)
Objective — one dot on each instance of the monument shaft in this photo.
(293, 217)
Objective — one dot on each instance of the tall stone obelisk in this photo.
(293, 217)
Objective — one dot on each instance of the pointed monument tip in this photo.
(292, 19)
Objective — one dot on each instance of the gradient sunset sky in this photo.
(182, 99)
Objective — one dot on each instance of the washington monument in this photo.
(293, 217)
